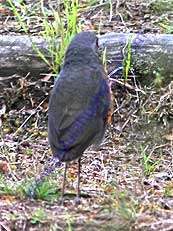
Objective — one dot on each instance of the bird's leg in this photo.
(63, 185)
(78, 180)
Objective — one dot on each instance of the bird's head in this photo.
(84, 40)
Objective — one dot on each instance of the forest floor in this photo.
(128, 183)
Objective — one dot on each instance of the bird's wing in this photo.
(77, 110)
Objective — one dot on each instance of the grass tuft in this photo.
(127, 59)
(64, 30)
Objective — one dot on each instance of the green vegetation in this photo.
(38, 216)
(45, 191)
(64, 30)
(123, 203)
(159, 78)
(13, 188)
(104, 58)
(168, 190)
(91, 3)
(149, 164)
(5, 187)
(127, 59)
(161, 5)
(68, 221)
(168, 27)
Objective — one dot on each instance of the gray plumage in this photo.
(80, 100)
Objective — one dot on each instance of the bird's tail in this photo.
(49, 168)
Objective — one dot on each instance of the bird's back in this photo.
(79, 105)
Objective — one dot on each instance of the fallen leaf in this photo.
(7, 198)
(3, 166)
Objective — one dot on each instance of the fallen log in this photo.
(151, 55)
(17, 55)
(148, 54)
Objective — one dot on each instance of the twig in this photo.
(117, 13)
(4, 227)
(110, 14)
(127, 85)
(32, 113)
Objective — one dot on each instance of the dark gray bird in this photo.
(80, 102)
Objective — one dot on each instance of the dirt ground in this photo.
(128, 183)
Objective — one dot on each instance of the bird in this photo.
(80, 106)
